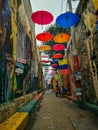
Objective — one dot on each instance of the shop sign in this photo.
(18, 70)
(19, 65)
(21, 60)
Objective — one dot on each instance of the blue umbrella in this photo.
(66, 20)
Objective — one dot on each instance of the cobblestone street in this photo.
(57, 113)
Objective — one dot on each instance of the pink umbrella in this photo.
(54, 64)
(44, 37)
(58, 47)
(42, 17)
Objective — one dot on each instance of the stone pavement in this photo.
(57, 113)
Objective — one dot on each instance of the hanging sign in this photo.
(18, 70)
(21, 60)
(19, 65)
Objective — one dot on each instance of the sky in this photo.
(56, 7)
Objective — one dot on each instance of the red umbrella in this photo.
(56, 56)
(44, 37)
(60, 38)
(42, 17)
(45, 61)
(58, 47)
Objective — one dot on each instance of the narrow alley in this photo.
(57, 113)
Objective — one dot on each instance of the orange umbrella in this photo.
(44, 48)
(44, 37)
(62, 37)
(56, 56)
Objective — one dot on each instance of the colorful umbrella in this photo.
(54, 64)
(66, 20)
(58, 47)
(52, 72)
(44, 37)
(45, 65)
(54, 67)
(55, 61)
(42, 17)
(57, 56)
(44, 48)
(44, 56)
(46, 71)
(60, 38)
(45, 61)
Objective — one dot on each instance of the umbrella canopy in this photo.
(66, 20)
(56, 56)
(44, 48)
(45, 61)
(54, 64)
(46, 71)
(44, 56)
(44, 37)
(45, 65)
(52, 69)
(58, 47)
(55, 61)
(42, 17)
(60, 38)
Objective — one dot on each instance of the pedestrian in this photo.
(57, 89)
(78, 86)
(63, 91)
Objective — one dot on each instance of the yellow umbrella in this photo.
(62, 37)
(44, 48)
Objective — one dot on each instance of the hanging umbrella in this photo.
(44, 56)
(54, 64)
(57, 56)
(55, 61)
(52, 69)
(58, 47)
(46, 71)
(44, 37)
(45, 64)
(44, 48)
(42, 17)
(45, 61)
(60, 38)
(52, 72)
(66, 20)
